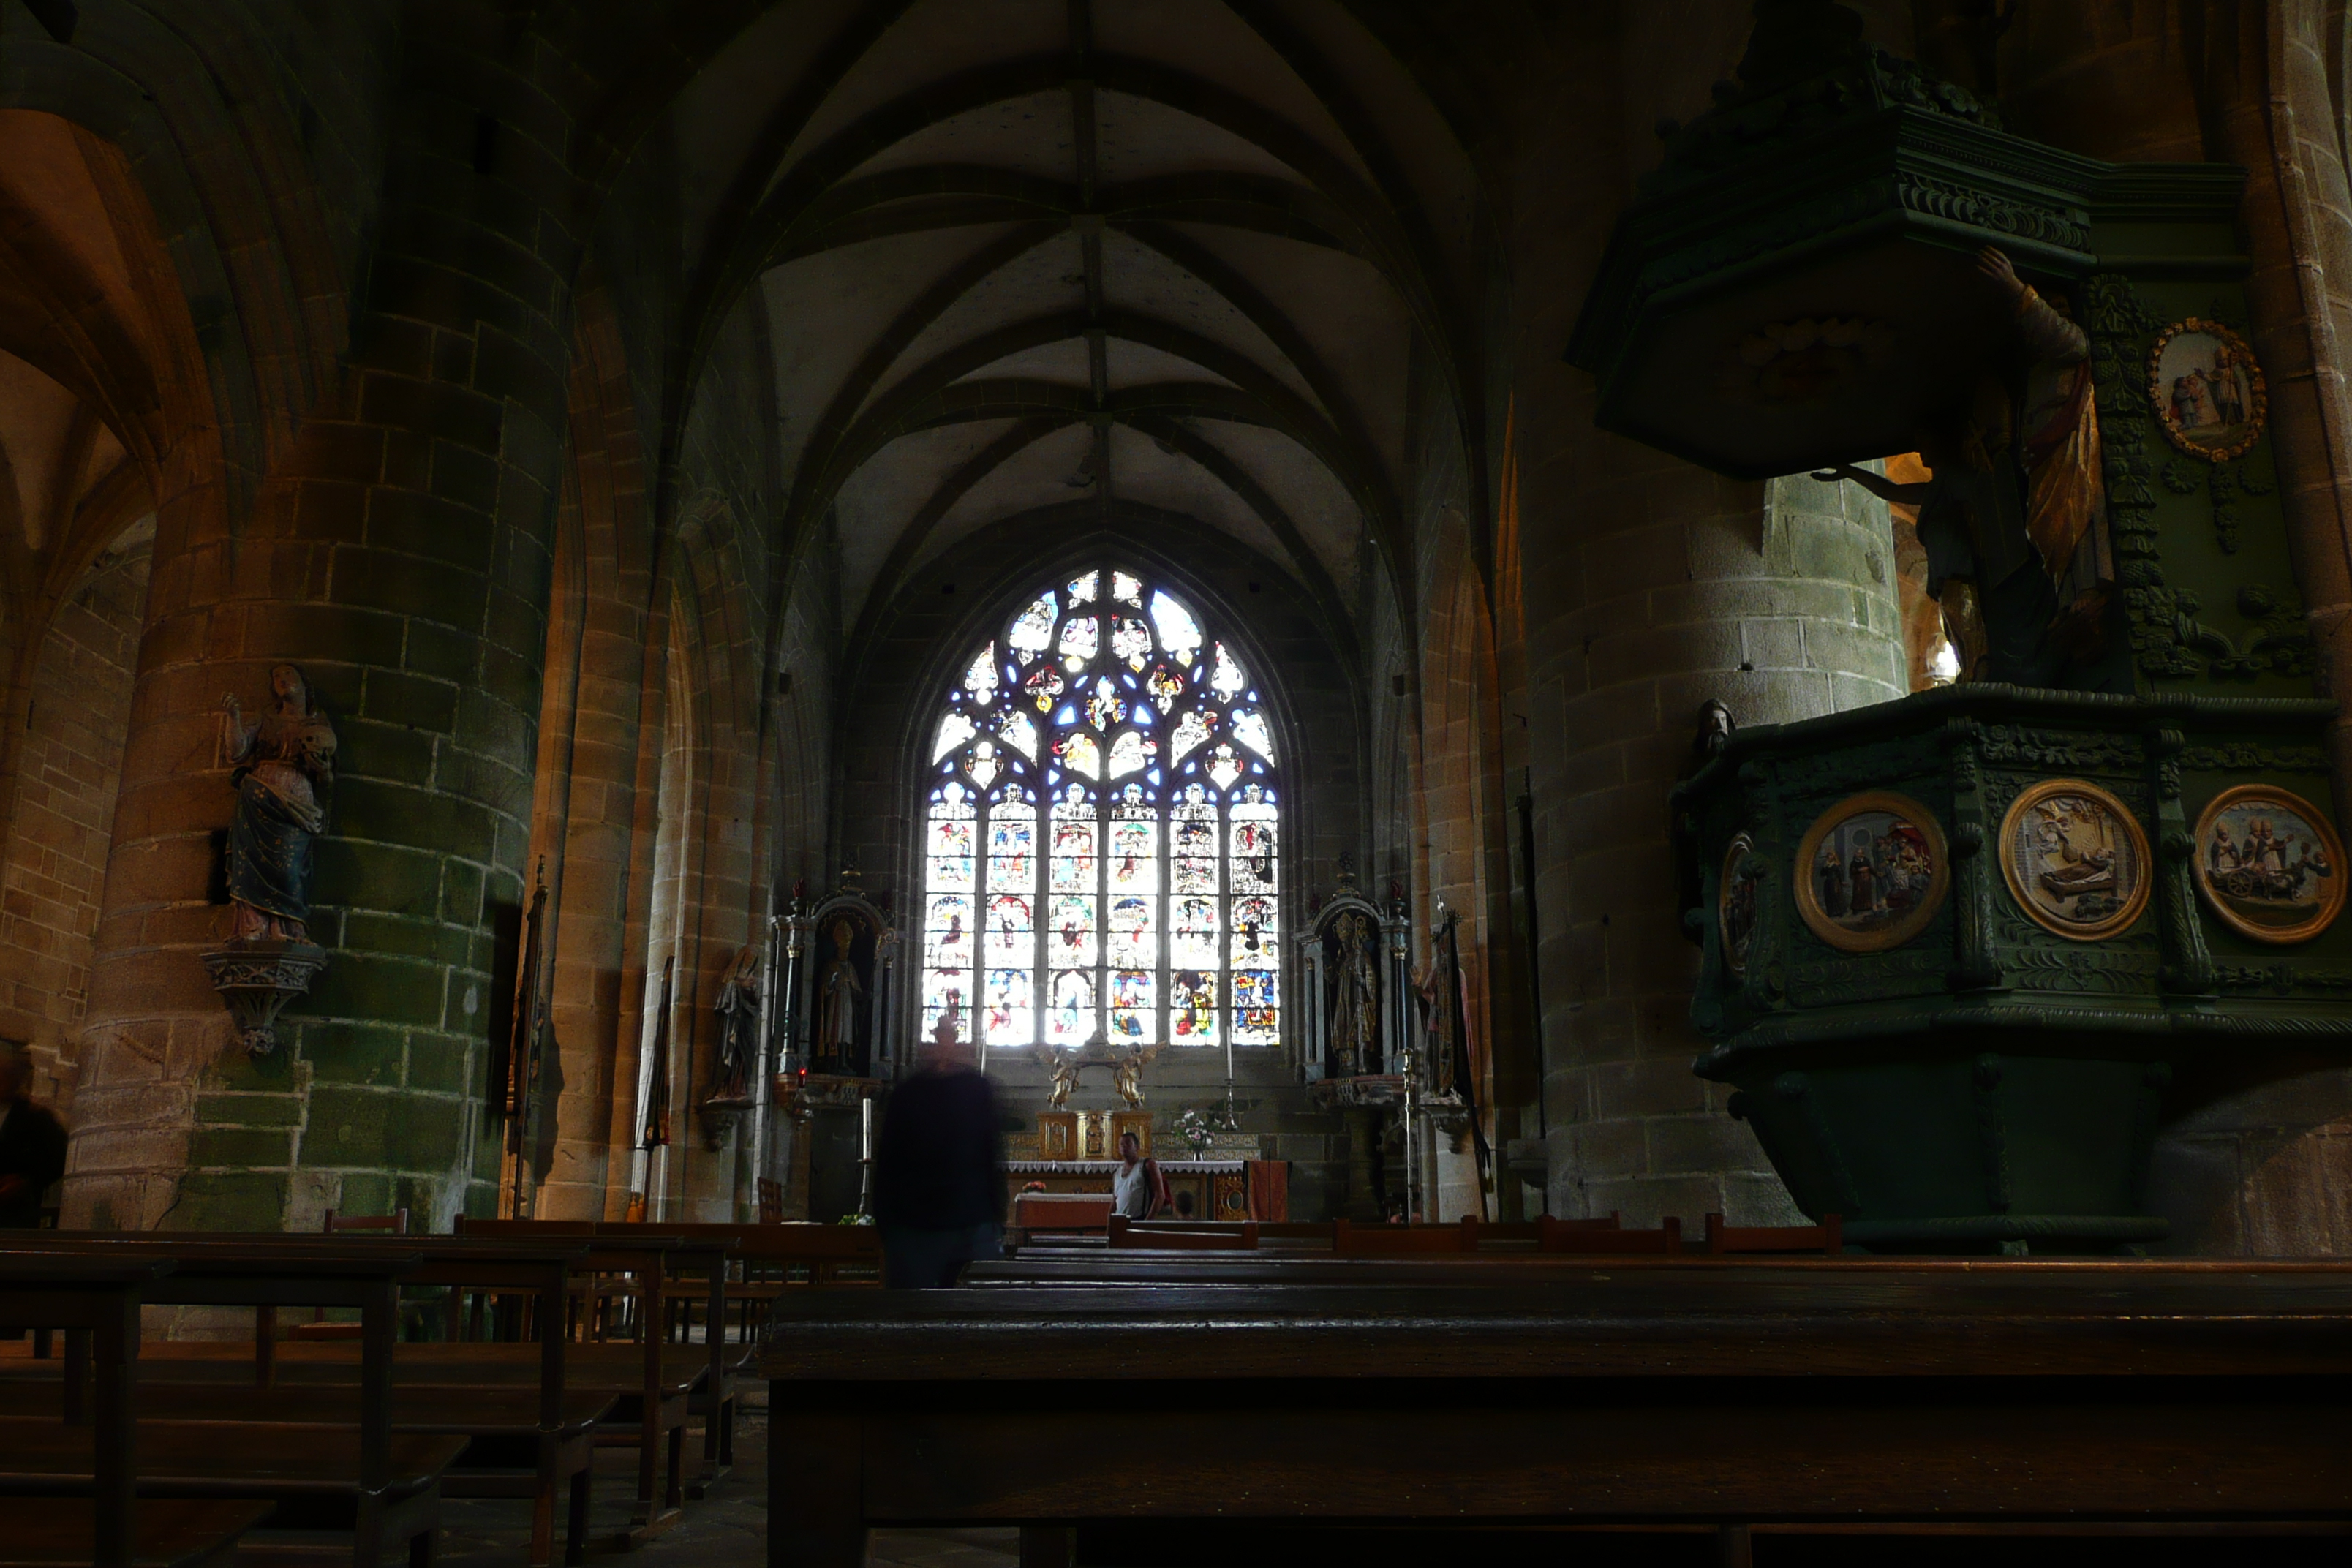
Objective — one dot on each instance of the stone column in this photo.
(1675, 587)
(398, 554)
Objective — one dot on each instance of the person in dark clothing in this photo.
(32, 1145)
(939, 1182)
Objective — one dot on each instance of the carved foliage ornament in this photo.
(1871, 872)
(2075, 859)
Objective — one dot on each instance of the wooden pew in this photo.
(773, 1258)
(1827, 1238)
(97, 1302)
(1694, 1393)
(390, 1487)
(1396, 1240)
(656, 1407)
(1126, 1236)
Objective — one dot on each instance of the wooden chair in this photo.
(1396, 1240)
(1607, 1237)
(1828, 1238)
(1238, 1238)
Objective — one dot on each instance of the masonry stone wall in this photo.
(69, 764)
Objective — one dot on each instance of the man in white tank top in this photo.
(1137, 1191)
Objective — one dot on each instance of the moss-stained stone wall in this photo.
(399, 554)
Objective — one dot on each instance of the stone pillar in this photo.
(398, 554)
(1672, 586)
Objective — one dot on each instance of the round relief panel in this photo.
(2075, 859)
(2268, 864)
(1872, 871)
(2208, 390)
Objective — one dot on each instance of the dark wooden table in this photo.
(1724, 1392)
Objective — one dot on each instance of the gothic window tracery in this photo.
(1100, 833)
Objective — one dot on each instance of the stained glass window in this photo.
(1101, 849)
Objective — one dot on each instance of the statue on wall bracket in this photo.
(278, 764)
(1356, 986)
(837, 984)
(732, 1066)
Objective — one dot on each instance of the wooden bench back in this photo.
(1827, 1237)
(1293, 1230)
(1396, 1240)
(395, 1222)
(1238, 1237)
(1599, 1239)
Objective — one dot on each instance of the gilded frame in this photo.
(1808, 893)
(2302, 931)
(2134, 907)
(2160, 400)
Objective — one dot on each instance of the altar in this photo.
(1198, 1188)
(1212, 1188)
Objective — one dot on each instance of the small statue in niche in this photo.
(1355, 1014)
(738, 1029)
(838, 990)
(280, 763)
(2009, 517)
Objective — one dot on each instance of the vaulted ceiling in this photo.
(1038, 257)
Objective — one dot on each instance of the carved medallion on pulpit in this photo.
(2269, 863)
(1872, 872)
(2075, 859)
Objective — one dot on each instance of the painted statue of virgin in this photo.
(279, 763)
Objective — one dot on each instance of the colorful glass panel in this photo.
(955, 729)
(1020, 733)
(1070, 1009)
(1257, 1013)
(1081, 634)
(1180, 634)
(1191, 731)
(1251, 729)
(1144, 907)
(1032, 629)
(981, 679)
(1131, 753)
(1192, 1006)
(1130, 642)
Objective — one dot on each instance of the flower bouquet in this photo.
(1196, 1126)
